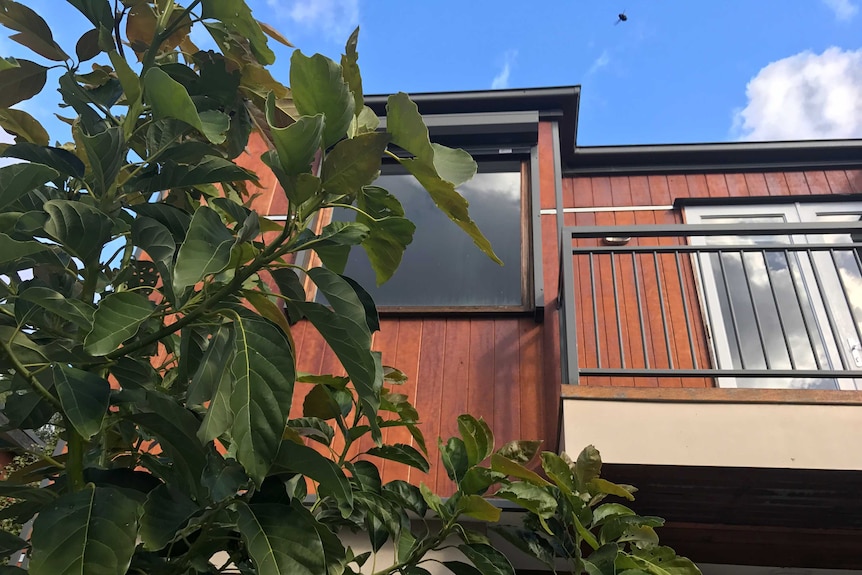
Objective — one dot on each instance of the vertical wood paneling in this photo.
(737, 187)
(386, 342)
(776, 184)
(539, 396)
(482, 388)
(854, 179)
(429, 393)
(817, 183)
(797, 184)
(838, 182)
(456, 356)
(697, 187)
(508, 403)
(756, 184)
(716, 185)
(407, 360)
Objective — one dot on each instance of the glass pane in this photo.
(442, 267)
(767, 317)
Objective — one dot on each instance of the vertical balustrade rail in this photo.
(758, 305)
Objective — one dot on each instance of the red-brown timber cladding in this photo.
(660, 190)
(507, 368)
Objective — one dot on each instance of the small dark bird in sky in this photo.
(621, 17)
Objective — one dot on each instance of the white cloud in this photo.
(335, 18)
(804, 97)
(603, 60)
(844, 9)
(501, 80)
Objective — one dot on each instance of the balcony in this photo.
(715, 365)
(754, 305)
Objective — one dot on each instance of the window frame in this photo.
(712, 311)
(527, 158)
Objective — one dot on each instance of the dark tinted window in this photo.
(442, 267)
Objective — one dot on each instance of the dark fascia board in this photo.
(712, 158)
(559, 103)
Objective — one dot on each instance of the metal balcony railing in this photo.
(754, 305)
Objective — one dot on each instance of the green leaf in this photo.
(478, 507)
(13, 250)
(156, 240)
(390, 232)
(402, 453)
(663, 561)
(450, 202)
(7, 63)
(487, 560)
(409, 132)
(97, 11)
(609, 510)
(346, 331)
(313, 428)
(117, 318)
(176, 220)
(214, 382)
(21, 83)
(236, 15)
(281, 539)
(521, 452)
(87, 46)
(530, 542)
(223, 478)
(33, 31)
(318, 87)
(170, 99)
(175, 429)
(18, 180)
(587, 467)
(205, 251)
(82, 230)
(65, 162)
(350, 70)
(88, 531)
(604, 486)
(353, 163)
(559, 471)
(20, 123)
(602, 561)
(25, 493)
(532, 498)
(106, 154)
(505, 465)
(264, 370)
(165, 512)
(453, 165)
(10, 543)
(407, 496)
(305, 460)
(206, 170)
(71, 310)
(478, 438)
(454, 456)
(296, 144)
(84, 397)
(478, 480)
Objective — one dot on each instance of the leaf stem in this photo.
(75, 465)
(29, 377)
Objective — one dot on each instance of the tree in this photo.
(147, 310)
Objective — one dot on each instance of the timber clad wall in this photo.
(627, 191)
(506, 367)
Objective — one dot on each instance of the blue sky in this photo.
(675, 71)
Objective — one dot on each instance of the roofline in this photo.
(562, 104)
(559, 103)
(715, 157)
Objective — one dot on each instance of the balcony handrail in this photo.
(682, 269)
(700, 230)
